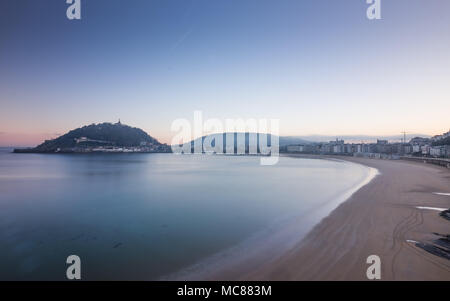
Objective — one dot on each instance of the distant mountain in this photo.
(283, 141)
(292, 140)
(99, 136)
(444, 141)
(420, 140)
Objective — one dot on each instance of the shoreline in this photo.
(264, 246)
(381, 218)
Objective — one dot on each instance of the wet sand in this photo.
(378, 219)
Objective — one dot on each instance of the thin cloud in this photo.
(181, 40)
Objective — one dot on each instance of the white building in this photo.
(416, 148)
(437, 151)
(425, 149)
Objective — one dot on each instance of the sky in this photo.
(319, 66)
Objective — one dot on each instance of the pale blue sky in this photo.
(320, 66)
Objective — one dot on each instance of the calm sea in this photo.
(146, 216)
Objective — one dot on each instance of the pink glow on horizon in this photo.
(23, 139)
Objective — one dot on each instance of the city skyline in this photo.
(321, 67)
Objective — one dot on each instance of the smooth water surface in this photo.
(143, 216)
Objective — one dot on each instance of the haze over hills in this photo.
(283, 141)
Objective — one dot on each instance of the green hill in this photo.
(103, 135)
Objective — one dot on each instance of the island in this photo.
(102, 137)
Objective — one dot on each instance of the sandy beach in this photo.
(381, 219)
